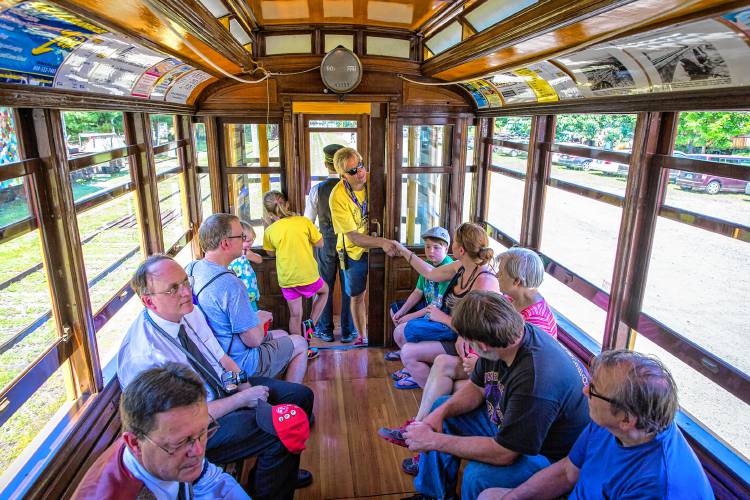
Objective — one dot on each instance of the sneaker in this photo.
(395, 435)
(411, 465)
(347, 338)
(325, 337)
(308, 329)
(393, 356)
(361, 341)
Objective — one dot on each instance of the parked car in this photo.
(576, 162)
(713, 184)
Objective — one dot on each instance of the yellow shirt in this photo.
(346, 217)
(292, 238)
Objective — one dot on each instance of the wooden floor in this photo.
(354, 396)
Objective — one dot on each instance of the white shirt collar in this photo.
(168, 326)
(162, 490)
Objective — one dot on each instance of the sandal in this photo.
(406, 383)
(361, 341)
(399, 374)
(312, 353)
(393, 356)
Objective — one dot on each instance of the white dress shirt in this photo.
(311, 205)
(145, 347)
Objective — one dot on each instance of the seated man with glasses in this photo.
(523, 409)
(222, 297)
(171, 329)
(165, 424)
(631, 449)
(349, 216)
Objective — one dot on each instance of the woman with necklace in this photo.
(470, 271)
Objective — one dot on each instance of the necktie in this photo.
(200, 363)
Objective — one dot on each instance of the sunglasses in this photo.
(356, 169)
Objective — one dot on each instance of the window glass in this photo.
(471, 151)
(427, 145)
(697, 285)
(246, 198)
(26, 325)
(319, 140)
(332, 124)
(506, 204)
(722, 137)
(445, 38)
(600, 131)
(205, 194)
(581, 234)
(96, 180)
(109, 337)
(162, 129)
(512, 128)
(14, 202)
(168, 161)
(422, 202)
(201, 145)
(512, 159)
(577, 309)
(720, 412)
(89, 132)
(8, 139)
(391, 47)
(30, 419)
(174, 220)
(110, 236)
(252, 145)
(469, 197)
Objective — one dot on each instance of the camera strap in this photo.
(199, 366)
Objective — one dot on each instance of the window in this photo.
(246, 198)
(162, 129)
(252, 145)
(174, 220)
(513, 129)
(201, 144)
(422, 207)
(425, 146)
(505, 204)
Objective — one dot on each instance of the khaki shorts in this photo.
(274, 356)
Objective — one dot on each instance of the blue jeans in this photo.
(239, 436)
(328, 266)
(422, 329)
(356, 275)
(438, 472)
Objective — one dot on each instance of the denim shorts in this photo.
(422, 329)
(355, 276)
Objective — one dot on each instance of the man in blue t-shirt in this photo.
(632, 449)
(523, 410)
(223, 299)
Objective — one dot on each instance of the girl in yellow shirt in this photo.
(291, 237)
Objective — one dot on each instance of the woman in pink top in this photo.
(519, 272)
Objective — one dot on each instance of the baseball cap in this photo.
(286, 421)
(329, 151)
(439, 233)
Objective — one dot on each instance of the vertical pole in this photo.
(542, 131)
(219, 202)
(265, 179)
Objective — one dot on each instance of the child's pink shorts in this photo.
(295, 292)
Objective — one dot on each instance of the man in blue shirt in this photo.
(222, 297)
(523, 409)
(632, 449)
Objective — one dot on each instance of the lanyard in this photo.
(179, 346)
(362, 206)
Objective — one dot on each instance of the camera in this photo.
(231, 380)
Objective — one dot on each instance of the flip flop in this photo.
(393, 356)
(406, 383)
(312, 353)
(399, 374)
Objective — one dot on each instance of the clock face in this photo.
(341, 70)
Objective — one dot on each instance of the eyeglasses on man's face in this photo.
(242, 236)
(188, 442)
(174, 289)
(353, 171)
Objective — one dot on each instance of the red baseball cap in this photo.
(287, 421)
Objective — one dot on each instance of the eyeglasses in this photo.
(243, 236)
(594, 394)
(356, 169)
(171, 291)
(187, 443)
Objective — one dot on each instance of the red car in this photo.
(713, 184)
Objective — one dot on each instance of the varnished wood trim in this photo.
(168, 146)
(535, 188)
(704, 167)
(84, 161)
(541, 18)
(19, 169)
(40, 97)
(586, 152)
(715, 225)
(442, 17)
(594, 194)
(244, 15)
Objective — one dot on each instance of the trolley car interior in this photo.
(610, 136)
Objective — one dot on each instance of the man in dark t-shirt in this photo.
(523, 410)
